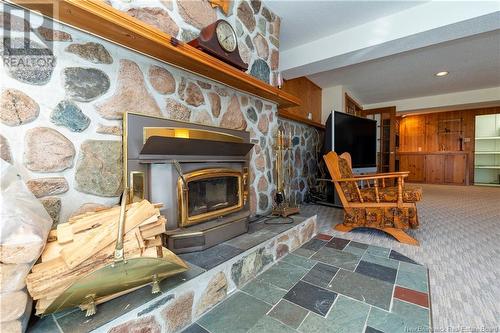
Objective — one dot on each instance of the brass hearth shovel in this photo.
(120, 277)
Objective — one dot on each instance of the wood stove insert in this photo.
(199, 172)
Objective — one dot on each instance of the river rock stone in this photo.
(244, 100)
(28, 61)
(249, 43)
(198, 13)
(307, 231)
(111, 130)
(221, 91)
(260, 70)
(267, 14)
(258, 104)
(214, 104)
(274, 27)
(93, 52)
(275, 41)
(51, 35)
(193, 95)
(53, 206)
(157, 17)
(256, 4)
(239, 28)
(177, 111)
(260, 162)
(246, 16)
(162, 80)
(47, 150)
(253, 201)
(262, 25)
(182, 87)
(13, 22)
(263, 124)
(204, 85)
(261, 46)
(245, 53)
(178, 313)
(138, 325)
(85, 84)
(281, 250)
(263, 202)
(252, 115)
(275, 59)
(42, 187)
(233, 117)
(131, 94)
(5, 153)
(262, 185)
(169, 4)
(69, 115)
(188, 35)
(215, 292)
(99, 168)
(17, 108)
(247, 268)
(202, 117)
(88, 207)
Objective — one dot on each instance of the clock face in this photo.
(226, 36)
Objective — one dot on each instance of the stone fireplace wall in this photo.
(61, 123)
(306, 157)
(257, 27)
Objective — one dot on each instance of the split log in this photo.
(86, 244)
(96, 239)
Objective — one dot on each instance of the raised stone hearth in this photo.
(214, 274)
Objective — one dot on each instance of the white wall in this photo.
(332, 98)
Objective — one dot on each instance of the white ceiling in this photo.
(304, 21)
(473, 63)
(383, 51)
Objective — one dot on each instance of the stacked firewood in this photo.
(87, 242)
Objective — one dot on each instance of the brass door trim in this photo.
(185, 219)
(189, 133)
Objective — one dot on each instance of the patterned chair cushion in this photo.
(349, 188)
(411, 193)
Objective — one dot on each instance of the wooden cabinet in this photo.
(310, 96)
(435, 168)
(455, 169)
(415, 165)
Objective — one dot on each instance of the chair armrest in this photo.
(395, 174)
(376, 176)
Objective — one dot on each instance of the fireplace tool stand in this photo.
(283, 206)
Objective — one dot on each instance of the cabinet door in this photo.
(455, 169)
(434, 169)
(415, 165)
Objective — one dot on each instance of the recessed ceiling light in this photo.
(444, 73)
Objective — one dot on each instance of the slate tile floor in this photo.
(328, 285)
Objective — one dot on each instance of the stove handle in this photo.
(181, 174)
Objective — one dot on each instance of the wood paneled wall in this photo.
(310, 95)
(422, 133)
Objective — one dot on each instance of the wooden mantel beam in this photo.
(103, 20)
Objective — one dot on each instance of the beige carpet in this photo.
(459, 238)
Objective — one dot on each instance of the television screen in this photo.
(358, 137)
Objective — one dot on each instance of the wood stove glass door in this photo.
(210, 193)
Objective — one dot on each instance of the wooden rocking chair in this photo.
(391, 209)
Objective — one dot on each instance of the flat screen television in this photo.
(357, 136)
